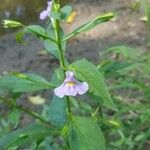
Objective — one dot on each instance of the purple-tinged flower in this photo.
(45, 13)
(71, 87)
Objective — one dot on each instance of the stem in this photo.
(56, 26)
(33, 114)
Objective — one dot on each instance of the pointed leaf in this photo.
(24, 83)
(83, 28)
(87, 72)
(65, 12)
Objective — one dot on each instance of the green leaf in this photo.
(19, 82)
(14, 117)
(98, 20)
(126, 51)
(65, 12)
(51, 46)
(57, 113)
(19, 37)
(113, 67)
(87, 72)
(85, 134)
(26, 135)
(57, 77)
(62, 14)
(37, 30)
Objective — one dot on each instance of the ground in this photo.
(127, 29)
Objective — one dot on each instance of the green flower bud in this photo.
(11, 24)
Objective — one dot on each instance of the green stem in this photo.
(33, 114)
(56, 27)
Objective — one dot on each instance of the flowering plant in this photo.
(73, 123)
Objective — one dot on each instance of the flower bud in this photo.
(10, 24)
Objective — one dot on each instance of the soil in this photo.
(127, 29)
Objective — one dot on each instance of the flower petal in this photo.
(70, 91)
(49, 6)
(82, 88)
(70, 76)
(44, 14)
(71, 87)
(60, 91)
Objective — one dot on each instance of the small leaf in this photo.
(19, 37)
(65, 12)
(14, 117)
(98, 20)
(87, 72)
(26, 135)
(85, 134)
(24, 82)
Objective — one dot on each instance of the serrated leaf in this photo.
(26, 135)
(83, 28)
(85, 134)
(24, 82)
(87, 72)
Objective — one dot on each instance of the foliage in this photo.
(78, 123)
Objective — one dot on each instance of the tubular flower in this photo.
(71, 87)
(45, 13)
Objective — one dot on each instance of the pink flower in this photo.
(45, 13)
(71, 87)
